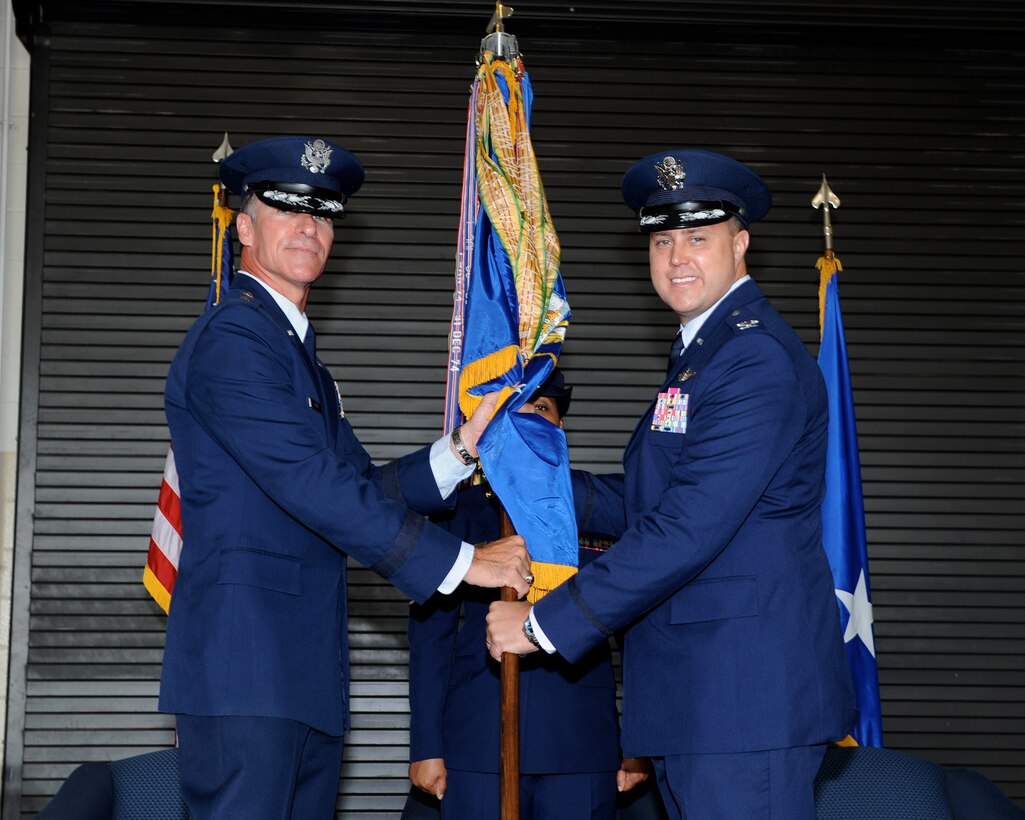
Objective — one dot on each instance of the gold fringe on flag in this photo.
(481, 371)
(546, 578)
(156, 589)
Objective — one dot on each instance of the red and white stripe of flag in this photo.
(165, 541)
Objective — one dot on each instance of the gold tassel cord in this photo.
(221, 216)
(827, 266)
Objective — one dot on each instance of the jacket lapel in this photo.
(250, 291)
(712, 334)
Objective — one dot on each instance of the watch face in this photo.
(528, 630)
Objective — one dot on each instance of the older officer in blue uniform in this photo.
(734, 673)
(276, 493)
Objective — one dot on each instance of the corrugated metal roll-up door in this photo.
(921, 141)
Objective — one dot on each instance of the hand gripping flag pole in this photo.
(509, 322)
(843, 511)
(165, 542)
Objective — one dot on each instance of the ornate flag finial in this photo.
(823, 199)
(498, 42)
(501, 13)
(224, 150)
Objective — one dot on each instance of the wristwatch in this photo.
(528, 630)
(464, 454)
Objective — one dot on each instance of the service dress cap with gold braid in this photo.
(304, 174)
(684, 188)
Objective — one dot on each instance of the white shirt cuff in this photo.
(448, 470)
(459, 569)
(539, 633)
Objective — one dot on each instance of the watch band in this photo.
(464, 454)
(528, 630)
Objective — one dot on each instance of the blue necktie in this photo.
(310, 343)
(674, 352)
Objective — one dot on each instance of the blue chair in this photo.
(973, 796)
(86, 794)
(858, 782)
(883, 784)
(142, 787)
(854, 783)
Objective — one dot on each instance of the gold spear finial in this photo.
(501, 13)
(497, 41)
(823, 199)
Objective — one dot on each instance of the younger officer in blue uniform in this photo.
(276, 492)
(569, 723)
(734, 673)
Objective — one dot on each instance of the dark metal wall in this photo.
(920, 139)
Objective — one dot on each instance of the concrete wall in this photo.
(14, 83)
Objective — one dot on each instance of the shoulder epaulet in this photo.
(239, 297)
(742, 320)
(247, 296)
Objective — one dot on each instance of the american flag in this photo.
(165, 541)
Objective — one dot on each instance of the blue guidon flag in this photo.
(843, 513)
(510, 318)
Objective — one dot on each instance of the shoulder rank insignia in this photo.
(747, 324)
(246, 296)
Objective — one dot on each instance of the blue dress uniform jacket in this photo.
(734, 642)
(276, 491)
(569, 722)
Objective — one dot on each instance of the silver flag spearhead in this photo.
(825, 195)
(224, 150)
(824, 199)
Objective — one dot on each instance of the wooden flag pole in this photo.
(510, 731)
